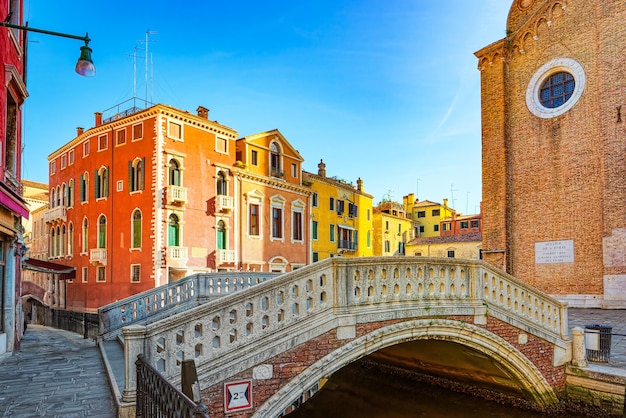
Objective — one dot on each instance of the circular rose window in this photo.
(555, 88)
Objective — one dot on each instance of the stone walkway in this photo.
(56, 373)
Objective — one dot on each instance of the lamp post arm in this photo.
(47, 32)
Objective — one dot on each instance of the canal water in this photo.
(365, 390)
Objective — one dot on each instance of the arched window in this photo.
(53, 242)
(53, 197)
(57, 244)
(136, 170)
(63, 241)
(70, 239)
(221, 235)
(173, 231)
(101, 182)
(102, 231)
(64, 195)
(222, 185)
(84, 186)
(275, 166)
(85, 241)
(70, 193)
(174, 173)
(136, 233)
(58, 196)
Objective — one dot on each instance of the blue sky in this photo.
(383, 90)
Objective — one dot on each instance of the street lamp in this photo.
(84, 66)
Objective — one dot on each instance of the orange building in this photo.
(141, 199)
(273, 207)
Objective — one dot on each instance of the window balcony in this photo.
(176, 195)
(225, 256)
(58, 214)
(176, 256)
(224, 203)
(98, 256)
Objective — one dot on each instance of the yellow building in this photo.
(392, 229)
(427, 214)
(341, 217)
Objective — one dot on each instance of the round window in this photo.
(555, 88)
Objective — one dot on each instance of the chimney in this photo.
(203, 112)
(359, 184)
(98, 116)
(445, 203)
(321, 169)
(79, 131)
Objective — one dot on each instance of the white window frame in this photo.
(277, 202)
(135, 268)
(133, 132)
(180, 136)
(101, 146)
(255, 198)
(104, 274)
(218, 141)
(297, 206)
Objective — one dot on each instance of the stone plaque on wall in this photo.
(551, 252)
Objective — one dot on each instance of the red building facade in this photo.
(12, 205)
(159, 194)
(134, 202)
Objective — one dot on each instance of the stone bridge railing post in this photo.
(134, 343)
(579, 353)
(476, 285)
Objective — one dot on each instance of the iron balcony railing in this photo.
(347, 245)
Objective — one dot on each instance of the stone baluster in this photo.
(134, 341)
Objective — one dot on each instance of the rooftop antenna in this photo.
(452, 190)
(135, 76)
(147, 41)
(417, 189)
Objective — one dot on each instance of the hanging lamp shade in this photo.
(85, 66)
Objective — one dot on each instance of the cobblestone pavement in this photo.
(614, 318)
(56, 373)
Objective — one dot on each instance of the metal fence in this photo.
(85, 324)
(157, 398)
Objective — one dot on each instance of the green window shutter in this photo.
(96, 184)
(130, 176)
(105, 182)
(143, 174)
(81, 185)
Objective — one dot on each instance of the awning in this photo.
(14, 203)
(343, 226)
(64, 272)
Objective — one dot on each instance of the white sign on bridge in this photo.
(238, 395)
(552, 252)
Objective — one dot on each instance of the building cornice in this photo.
(271, 181)
(331, 182)
(156, 110)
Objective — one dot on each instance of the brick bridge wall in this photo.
(291, 363)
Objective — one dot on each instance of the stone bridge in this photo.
(262, 350)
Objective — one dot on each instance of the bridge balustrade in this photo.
(242, 329)
(180, 295)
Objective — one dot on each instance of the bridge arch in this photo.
(532, 382)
